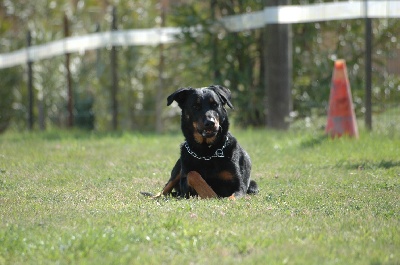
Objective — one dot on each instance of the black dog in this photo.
(212, 163)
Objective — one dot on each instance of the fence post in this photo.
(368, 69)
(114, 74)
(278, 71)
(70, 121)
(30, 85)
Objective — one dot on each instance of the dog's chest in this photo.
(209, 169)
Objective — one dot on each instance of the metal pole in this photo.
(215, 64)
(114, 74)
(30, 86)
(368, 69)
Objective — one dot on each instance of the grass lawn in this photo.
(73, 198)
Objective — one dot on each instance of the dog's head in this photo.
(203, 112)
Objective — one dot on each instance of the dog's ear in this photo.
(179, 96)
(223, 93)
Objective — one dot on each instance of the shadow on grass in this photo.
(385, 164)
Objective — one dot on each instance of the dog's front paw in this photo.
(151, 195)
(232, 197)
(158, 195)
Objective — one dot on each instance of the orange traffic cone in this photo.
(341, 116)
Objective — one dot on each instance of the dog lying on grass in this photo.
(212, 164)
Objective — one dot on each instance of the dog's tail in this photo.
(253, 187)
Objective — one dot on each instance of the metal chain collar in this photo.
(218, 152)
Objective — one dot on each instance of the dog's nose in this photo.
(209, 123)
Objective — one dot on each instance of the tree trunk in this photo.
(70, 104)
(160, 89)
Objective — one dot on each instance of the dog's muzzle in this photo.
(210, 127)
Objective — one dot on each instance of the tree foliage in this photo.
(206, 56)
(231, 59)
(317, 45)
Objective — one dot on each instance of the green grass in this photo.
(73, 198)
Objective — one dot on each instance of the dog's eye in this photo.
(214, 105)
